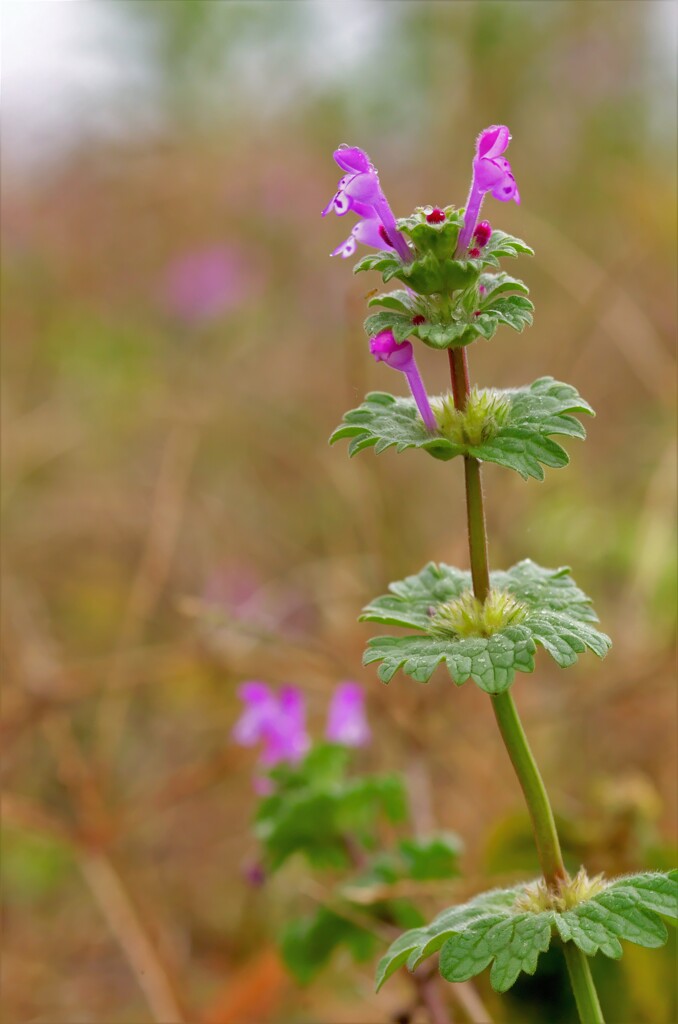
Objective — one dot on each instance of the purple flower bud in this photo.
(482, 233)
(277, 721)
(359, 190)
(346, 721)
(436, 216)
(491, 173)
(399, 355)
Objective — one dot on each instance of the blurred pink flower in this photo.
(276, 720)
(346, 721)
(201, 285)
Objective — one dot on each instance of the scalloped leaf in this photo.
(491, 662)
(400, 323)
(499, 284)
(512, 945)
(502, 244)
(399, 300)
(491, 929)
(559, 619)
(418, 944)
(513, 310)
(523, 442)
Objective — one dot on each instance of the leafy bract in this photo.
(494, 928)
(523, 441)
(558, 617)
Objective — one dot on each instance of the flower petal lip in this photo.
(493, 141)
(353, 159)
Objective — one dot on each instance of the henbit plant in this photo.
(483, 626)
(315, 806)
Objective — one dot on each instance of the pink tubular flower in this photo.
(278, 721)
(359, 190)
(491, 173)
(346, 721)
(400, 356)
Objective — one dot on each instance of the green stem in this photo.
(582, 985)
(532, 785)
(506, 714)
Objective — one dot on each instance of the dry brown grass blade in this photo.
(126, 924)
(162, 532)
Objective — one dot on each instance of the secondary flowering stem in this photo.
(508, 720)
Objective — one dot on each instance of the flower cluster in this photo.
(359, 190)
(277, 721)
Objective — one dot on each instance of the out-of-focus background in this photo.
(177, 348)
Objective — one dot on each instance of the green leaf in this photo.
(513, 943)
(557, 616)
(385, 421)
(522, 441)
(387, 263)
(498, 284)
(431, 857)
(625, 909)
(431, 275)
(490, 662)
(303, 822)
(513, 310)
(500, 245)
(418, 944)
(315, 806)
(399, 300)
(308, 943)
(399, 323)
(495, 928)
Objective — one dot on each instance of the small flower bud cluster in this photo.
(538, 897)
(467, 616)
(486, 410)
